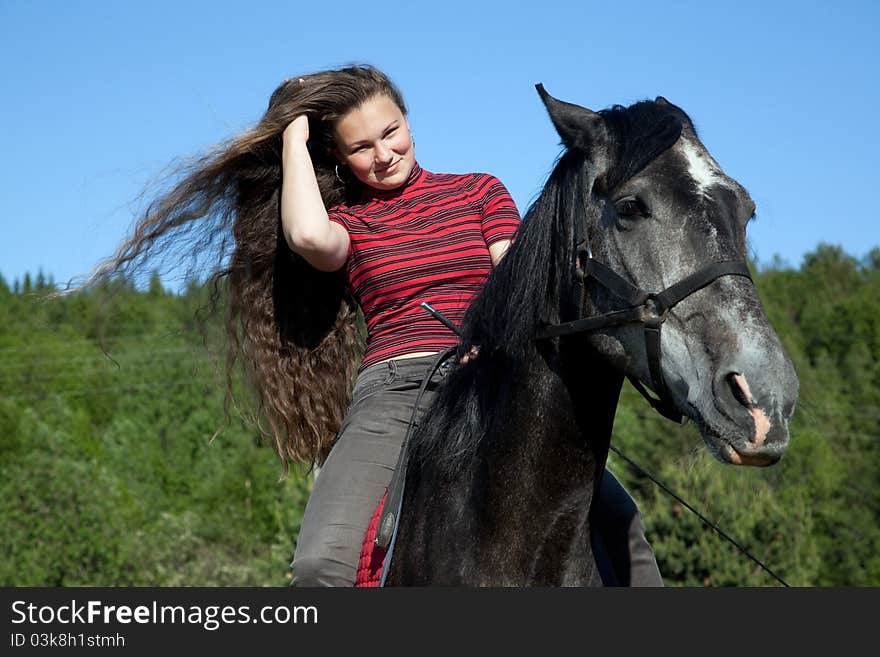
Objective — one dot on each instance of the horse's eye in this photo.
(631, 207)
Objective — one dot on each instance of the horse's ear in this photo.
(578, 126)
(660, 100)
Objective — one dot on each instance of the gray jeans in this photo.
(359, 468)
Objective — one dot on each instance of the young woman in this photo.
(410, 236)
(329, 212)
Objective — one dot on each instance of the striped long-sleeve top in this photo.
(428, 240)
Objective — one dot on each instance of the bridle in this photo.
(650, 309)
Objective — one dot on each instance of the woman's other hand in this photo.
(470, 355)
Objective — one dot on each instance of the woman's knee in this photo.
(321, 571)
(614, 506)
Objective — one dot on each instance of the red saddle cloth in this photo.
(372, 561)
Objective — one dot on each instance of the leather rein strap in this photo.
(394, 499)
(650, 309)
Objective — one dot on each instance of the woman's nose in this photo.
(382, 153)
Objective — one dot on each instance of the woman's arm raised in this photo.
(307, 229)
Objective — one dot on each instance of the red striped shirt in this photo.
(427, 240)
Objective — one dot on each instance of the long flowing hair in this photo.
(292, 328)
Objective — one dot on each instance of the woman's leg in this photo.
(620, 532)
(356, 473)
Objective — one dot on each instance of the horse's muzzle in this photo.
(761, 436)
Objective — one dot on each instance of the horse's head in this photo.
(659, 210)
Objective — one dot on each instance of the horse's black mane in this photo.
(530, 285)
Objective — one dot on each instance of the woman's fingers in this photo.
(473, 353)
(298, 128)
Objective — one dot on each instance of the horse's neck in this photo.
(547, 456)
(593, 389)
(516, 512)
(571, 408)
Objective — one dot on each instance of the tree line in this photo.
(117, 468)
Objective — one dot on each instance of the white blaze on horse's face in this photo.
(702, 168)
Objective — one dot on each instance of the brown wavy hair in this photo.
(292, 327)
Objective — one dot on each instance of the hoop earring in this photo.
(336, 171)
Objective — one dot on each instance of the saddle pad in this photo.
(372, 561)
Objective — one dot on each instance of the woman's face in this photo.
(374, 141)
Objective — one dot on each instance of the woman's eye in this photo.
(631, 207)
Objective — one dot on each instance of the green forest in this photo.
(118, 469)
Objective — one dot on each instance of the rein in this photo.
(640, 470)
(390, 516)
(650, 309)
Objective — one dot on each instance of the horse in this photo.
(503, 468)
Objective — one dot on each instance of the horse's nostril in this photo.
(738, 393)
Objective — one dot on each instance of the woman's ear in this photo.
(337, 154)
(335, 150)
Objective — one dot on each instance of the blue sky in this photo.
(98, 98)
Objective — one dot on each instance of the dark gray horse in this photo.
(630, 263)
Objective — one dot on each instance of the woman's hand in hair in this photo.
(297, 131)
(307, 228)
